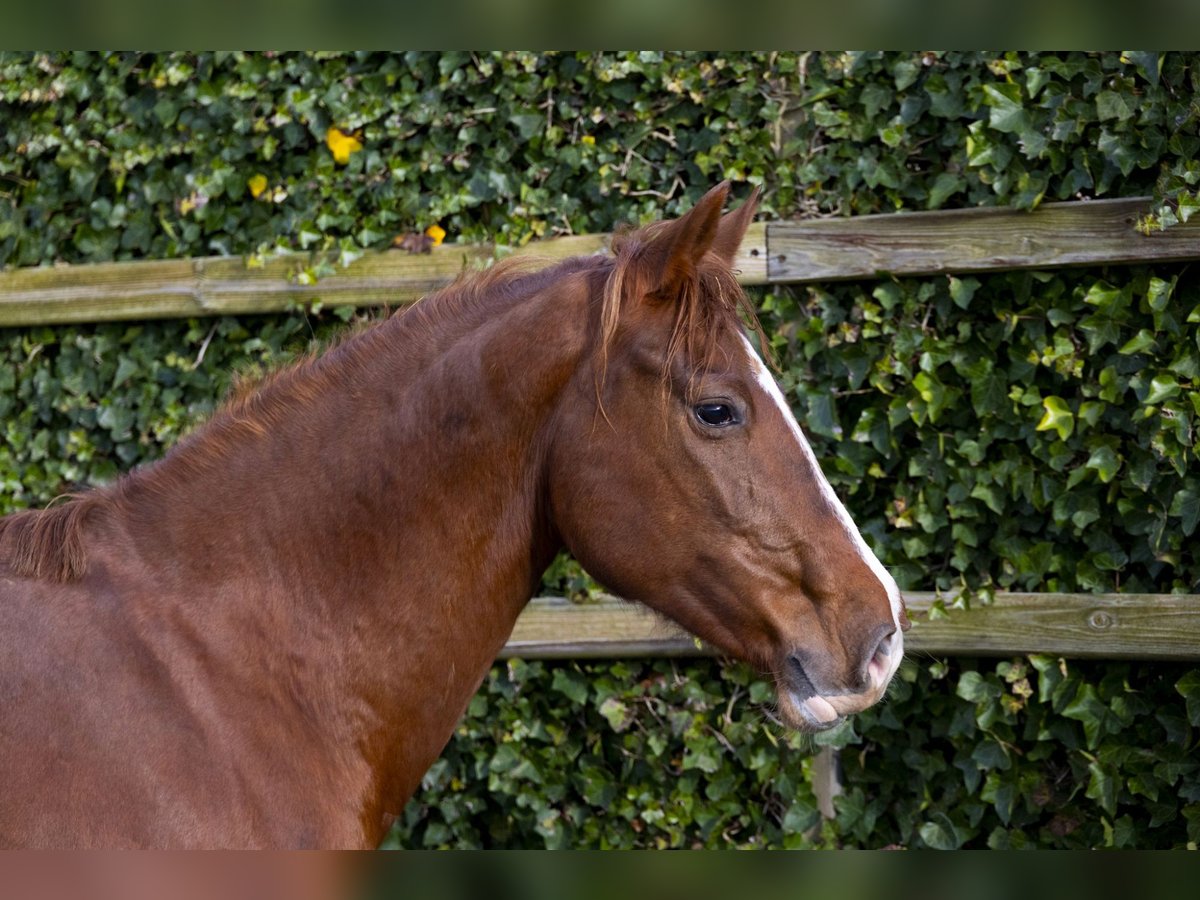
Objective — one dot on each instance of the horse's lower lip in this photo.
(817, 712)
(821, 709)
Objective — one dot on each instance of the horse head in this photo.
(680, 477)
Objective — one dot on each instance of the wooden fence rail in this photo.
(1093, 232)
(969, 240)
(1159, 626)
(1108, 626)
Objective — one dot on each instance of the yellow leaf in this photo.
(257, 184)
(341, 145)
(588, 139)
(436, 233)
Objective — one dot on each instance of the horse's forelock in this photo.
(709, 303)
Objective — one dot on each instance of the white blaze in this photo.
(889, 584)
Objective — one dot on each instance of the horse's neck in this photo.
(382, 536)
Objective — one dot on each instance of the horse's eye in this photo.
(716, 414)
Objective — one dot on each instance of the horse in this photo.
(266, 637)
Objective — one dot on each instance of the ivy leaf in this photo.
(989, 394)
(1162, 387)
(1141, 341)
(1001, 793)
(1113, 105)
(975, 688)
(1087, 708)
(1159, 293)
(528, 124)
(941, 834)
(821, 418)
(945, 185)
(1186, 505)
(1189, 688)
(1102, 787)
(617, 713)
(1105, 296)
(990, 754)
(800, 817)
(570, 683)
(1186, 205)
(1104, 462)
(126, 368)
(1035, 79)
(1007, 112)
(962, 290)
(1057, 417)
(1100, 330)
(1149, 64)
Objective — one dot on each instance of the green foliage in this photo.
(625, 754)
(130, 155)
(1027, 431)
(1031, 430)
(79, 405)
(1021, 753)
(154, 155)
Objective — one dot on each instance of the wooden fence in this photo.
(1153, 626)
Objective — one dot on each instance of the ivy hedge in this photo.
(128, 155)
(1021, 430)
(1035, 752)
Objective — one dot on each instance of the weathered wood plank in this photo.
(1109, 626)
(921, 243)
(967, 240)
(750, 264)
(51, 295)
(1092, 232)
(221, 285)
(555, 628)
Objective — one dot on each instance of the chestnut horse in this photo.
(266, 637)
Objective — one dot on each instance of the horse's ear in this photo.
(670, 259)
(732, 228)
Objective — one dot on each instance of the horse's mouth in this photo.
(800, 701)
(809, 714)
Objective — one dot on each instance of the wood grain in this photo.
(1091, 232)
(926, 243)
(220, 285)
(1109, 626)
(555, 628)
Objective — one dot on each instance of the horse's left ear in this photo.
(732, 228)
(671, 257)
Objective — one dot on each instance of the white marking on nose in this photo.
(772, 390)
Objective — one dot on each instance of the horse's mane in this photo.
(48, 543)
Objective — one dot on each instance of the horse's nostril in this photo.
(876, 666)
(885, 645)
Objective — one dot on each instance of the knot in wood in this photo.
(1101, 620)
